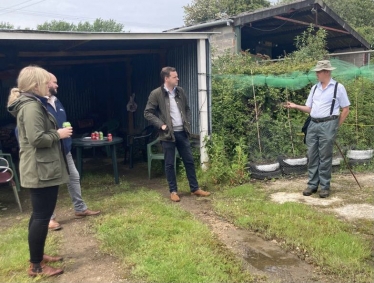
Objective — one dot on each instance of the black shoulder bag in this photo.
(304, 129)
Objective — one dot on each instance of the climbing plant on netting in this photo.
(248, 102)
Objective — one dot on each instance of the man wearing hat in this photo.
(326, 118)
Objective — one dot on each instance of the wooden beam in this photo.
(130, 115)
(308, 24)
(88, 53)
(75, 44)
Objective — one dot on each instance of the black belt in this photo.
(329, 118)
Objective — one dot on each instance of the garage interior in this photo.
(98, 72)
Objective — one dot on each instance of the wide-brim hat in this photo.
(323, 65)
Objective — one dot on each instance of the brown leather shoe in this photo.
(54, 225)
(43, 270)
(85, 213)
(48, 258)
(174, 197)
(200, 193)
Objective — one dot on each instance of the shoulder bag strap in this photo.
(314, 90)
(333, 100)
(313, 93)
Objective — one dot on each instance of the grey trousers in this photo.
(320, 142)
(74, 187)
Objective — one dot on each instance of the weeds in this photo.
(224, 169)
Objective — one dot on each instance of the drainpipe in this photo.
(204, 25)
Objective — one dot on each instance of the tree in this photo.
(358, 13)
(99, 25)
(311, 45)
(4, 25)
(203, 10)
(57, 26)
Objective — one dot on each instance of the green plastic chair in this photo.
(158, 156)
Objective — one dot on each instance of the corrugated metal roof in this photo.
(280, 24)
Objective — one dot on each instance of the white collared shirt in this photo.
(320, 102)
(51, 100)
(175, 114)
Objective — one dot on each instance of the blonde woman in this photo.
(42, 165)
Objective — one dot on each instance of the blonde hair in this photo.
(29, 80)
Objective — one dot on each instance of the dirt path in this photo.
(83, 262)
(266, 259)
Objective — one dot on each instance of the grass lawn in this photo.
(156, 241)
(336, 246)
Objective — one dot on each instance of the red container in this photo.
(110, 138)
(93, 136)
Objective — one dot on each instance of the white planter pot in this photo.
(296, 161)
(265, 171)
(360, 154)
(336, 161)
(268, 167)
(293, 165)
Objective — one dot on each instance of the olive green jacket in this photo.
(42, 162)
(157, 112)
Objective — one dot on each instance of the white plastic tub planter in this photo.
(293, 165)
(359, 156)
(336, 161)
(265, 171)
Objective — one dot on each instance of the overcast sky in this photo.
(135, 15)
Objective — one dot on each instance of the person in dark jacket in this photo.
(167, 109)
(42, 162)
(56, 108)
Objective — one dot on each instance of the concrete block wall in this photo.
(224, 41)
(358, 59)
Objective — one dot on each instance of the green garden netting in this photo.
(273, 130)
(344, 71)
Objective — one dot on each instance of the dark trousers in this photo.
(43, 201)
(184, 148)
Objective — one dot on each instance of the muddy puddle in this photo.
(266, 260)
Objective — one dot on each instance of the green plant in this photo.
(226, 167)
(247, 99)
(239, 163)
(219, 170)
(311, 45)
(357, 132)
